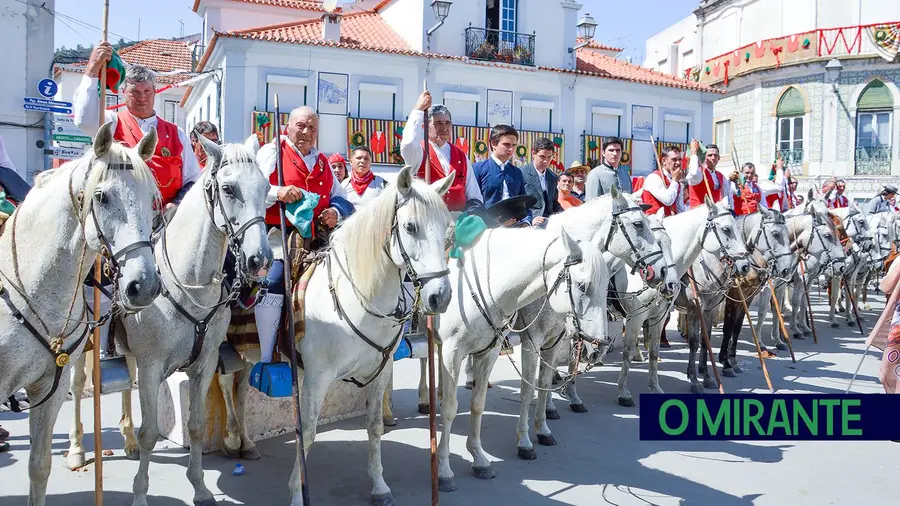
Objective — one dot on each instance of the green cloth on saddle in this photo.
(115, 73)
(469, 228)
(5, 205)
(300, 213)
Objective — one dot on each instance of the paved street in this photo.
(599, 459)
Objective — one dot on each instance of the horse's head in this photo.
(722, 238)
(418, 236)
(118, 191)
(857, 226)
(628, 236)
(819, 239)
(235, 193)
(771, 239)
(669, 287)
(883, 233)
(577, 282)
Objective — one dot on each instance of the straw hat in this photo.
(577, 165)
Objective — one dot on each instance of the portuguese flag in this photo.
(115, 73)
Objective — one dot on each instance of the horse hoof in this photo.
(578, 408)
(133, 453)
(851, 324)
(231, 454)
(552, 414)
(383, 499)
(447, 484)
(834, 325)
(797, 335)
(423, 409)
(626, 402)
(737, 368)
(709, 383)
(251, 454)
(484, 473)
(546, 440)
(389, 422)
(526, 453)
(801, 337)
(75, 461)
(696, 388)
(728, 372)
(206, 502)
(781, 347)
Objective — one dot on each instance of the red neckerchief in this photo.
(361, 183)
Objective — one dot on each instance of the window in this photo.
(291, 92)
(376, 101)
(873, 130)
(463, 107)
(208, 107)
(501, 15)
(508, 15)
(169, 111)
(537, 115)
(789, 126)
(606, 121)
(111, 100)
(723, 134)
(676, 128)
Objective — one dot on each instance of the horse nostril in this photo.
(433, 301)
(133, 289)
(254, 264)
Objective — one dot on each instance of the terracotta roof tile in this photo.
(161, 55)
(601, 65)
(307, 5)
(361, 30)
(603, 47)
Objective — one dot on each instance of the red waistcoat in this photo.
(748, 201)
(318, 181)
(698, 191)
(455, 198)
(839, 201)
(166, 162)
(655, 204)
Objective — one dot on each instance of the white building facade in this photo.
(491, 62)
(815, 81)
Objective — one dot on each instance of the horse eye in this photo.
(638, 224)
(411, 228)
(228, 190)
(101, 197)
(582, 287)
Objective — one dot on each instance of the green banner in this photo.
(72, 138)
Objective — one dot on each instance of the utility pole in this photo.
(181, 22)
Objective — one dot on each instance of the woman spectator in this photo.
(339, 166)
(363, 186)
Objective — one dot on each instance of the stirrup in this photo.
(272, 378)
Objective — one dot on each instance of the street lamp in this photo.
(586, 27)
(833, 69)
(441, 10)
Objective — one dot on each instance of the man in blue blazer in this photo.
(497, 177)
(541, 183)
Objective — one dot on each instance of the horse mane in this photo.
(586, 212)
(96, 173)
(362, 237)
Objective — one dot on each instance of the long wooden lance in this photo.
(429, 331)
(852, 302)
(809, 315)
(784, 331)
(289, 314)
(98, 268)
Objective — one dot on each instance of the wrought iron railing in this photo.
(873, 160)
(500, 46)
(791, 156)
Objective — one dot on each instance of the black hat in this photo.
(515, 208)
(889, 188)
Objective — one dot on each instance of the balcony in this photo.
(791, 157)
(499, 46)
(873, 161)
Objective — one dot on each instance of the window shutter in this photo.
(875, 96)
(791, 103)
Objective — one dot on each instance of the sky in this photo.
(627, 24)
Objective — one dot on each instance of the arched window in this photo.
(874, 114)
(789, 128)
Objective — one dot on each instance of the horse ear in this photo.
(709, 204)
(213, 150)
(252, 144)
(404, 180)
(103, 140)
(810, 195)
(573, 250)
(147, 146)
(767, 213)
(442, 185)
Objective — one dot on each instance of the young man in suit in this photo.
(498, 178)
(541, 183)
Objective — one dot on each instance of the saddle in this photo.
(303, 256)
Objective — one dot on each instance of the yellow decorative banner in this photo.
(592, 148)
(660, 146)
(382, 136)
(475, 141)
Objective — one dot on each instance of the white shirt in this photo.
(667, 195)
(266, 158)
(372, 191)
(695, 177)
(543, 177)
(85, 106)
(412, 153)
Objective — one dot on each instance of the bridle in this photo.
(768, 252)
(641, 263)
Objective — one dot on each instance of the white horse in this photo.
(351, 333)
(184, 328)
(861, 247)
(101, 201)
(883, 226)
(505, 270)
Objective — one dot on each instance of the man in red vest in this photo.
(662, 187)
(444, 156)
(174, 165)
(305, 169)
(834, 193)
(746, 193)
(703, 179)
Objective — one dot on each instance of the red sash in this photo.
(455, 198)
(654, 203)
(699, 191)
(318, 181)
(166, 162)
(839, 201)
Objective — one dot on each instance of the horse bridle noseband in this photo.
(640, 263)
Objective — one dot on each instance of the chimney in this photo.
(331, 27)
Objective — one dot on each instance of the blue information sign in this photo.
(48, 88)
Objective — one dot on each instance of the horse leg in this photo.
(481, 369)
(708, 381)
(40, 422)
(381, 493)
(530, 354)
(248, 447)
(231, 445)
(148, 388)
(389, 420)
(693, 334)
(452, 360)
(75, 458)
(575, 402)
(833, 298)
(198, 387)
(633, 327)
(423, 386)
(728, 333)
(549, 359)
(126, 423)
(312, 396)
(542, 430)
(654, 336)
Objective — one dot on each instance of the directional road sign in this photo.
(65, 153)
(48, 103)
(72, 138)
(45, 108)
